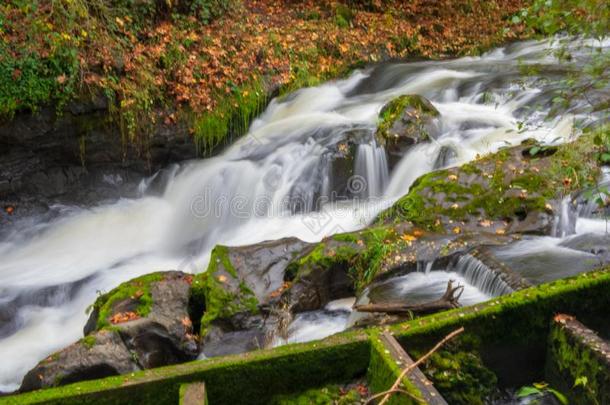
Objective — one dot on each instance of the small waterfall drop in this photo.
(371, 165)
(564, 223)
(480, 276)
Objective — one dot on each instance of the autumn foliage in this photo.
(179, 59)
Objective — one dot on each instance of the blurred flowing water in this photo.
(273, 183)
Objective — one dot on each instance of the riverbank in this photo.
(172, 68)
(96, 96)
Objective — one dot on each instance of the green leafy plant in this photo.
(538, 390)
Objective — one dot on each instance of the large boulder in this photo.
(515, 190)
(99, 355)
(143, 323)
(151, 313)
(239, 287)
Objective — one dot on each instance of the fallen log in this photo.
(449, 300)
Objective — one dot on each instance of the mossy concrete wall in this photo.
(518, 319)
(578, 362)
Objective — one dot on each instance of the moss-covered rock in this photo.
(460, 376)
(511, 191)
(226, 294)
(406, 121)
(131, 296)
(95, 356)
(142, 323)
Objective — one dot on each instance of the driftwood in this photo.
(449, 300)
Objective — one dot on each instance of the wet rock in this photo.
(500, 193)
(151, 313)
(240, 288)
(233, 337)
(596, 244)
(100, 355)
(406, 121)
(46, 156)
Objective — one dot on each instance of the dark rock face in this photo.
(161, 337)
(241, 289)
(262, 266)
(78, 156)
(104, 355)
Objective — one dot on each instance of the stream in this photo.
(276, 182)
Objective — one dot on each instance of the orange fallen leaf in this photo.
(186, 322)
(122, 317)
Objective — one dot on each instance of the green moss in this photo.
(460, 376)
(224, 294)
(136, 289)
(383, 372)
(329, 394)
(361, 254)
(89, 341)
(393, 110)
(495, 194)
(571, 357)
(232, 116)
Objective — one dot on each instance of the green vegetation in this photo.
(413, 106)
(518, 319)
(510, 183)
(461, 377)
(361, 254)
(137, 289)
(579, 363)
(225, 295)
(89, 341)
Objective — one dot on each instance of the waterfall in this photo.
(264, 187)
(564, 224)
(371, 165)
(482, 277)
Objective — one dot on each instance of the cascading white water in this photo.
(477, 274)
(372, 166)
(565, 223)
(263, 187)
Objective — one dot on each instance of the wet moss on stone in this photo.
(500, 186)
(360, 254)
(460, 376)
(223, 293)
(394, 110)
(89, 341)
(137, 289)
(578, 363)
(383, 372)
